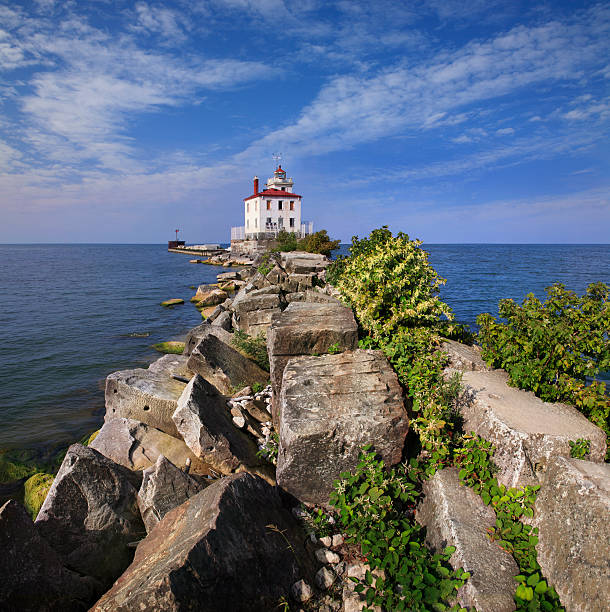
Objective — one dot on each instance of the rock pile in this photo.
(177, 504)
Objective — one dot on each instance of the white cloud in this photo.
(356, 109)
(505, 131)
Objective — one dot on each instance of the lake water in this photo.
(72, 314)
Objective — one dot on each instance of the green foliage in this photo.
(253, 347)
(318, 243)
(374, 507)
(552, 347)
(390, 284)
(333, 349)
(474, 458)
(269, 449)
(286, 241)
(265, 266)
(580, 448)
(257, 387)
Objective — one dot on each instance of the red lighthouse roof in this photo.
(280, 170)
(287, 195)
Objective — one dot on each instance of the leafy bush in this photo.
(551, 347)
(375, 506)
(286, 241)
(390, 284)
(474, 458)
(265, 266)
(253, 347)
(318, 243)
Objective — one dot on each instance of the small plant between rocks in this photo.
(254, 347)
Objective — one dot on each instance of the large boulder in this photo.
(572, 515)
(231, 547)
(526, 431)
(312, 295)
(137, 446)
(223, 366)
(300, 262)
(456, 516)
(463, 357)
(149, 396)
(307, 328)
(331, 406)
(197, 334)
(164, 487)
(91, 514)
(210, 296)
(253, 311)
(33, 576)
(205, 425)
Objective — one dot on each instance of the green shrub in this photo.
(265, 266)
(318, 243)
(552, 347)
(580, 448)
(375, 506)
(286, 241)
(390, 284)
(253, 347)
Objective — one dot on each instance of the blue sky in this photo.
(479, 121)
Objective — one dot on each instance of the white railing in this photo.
(271, 231)
(238, 233)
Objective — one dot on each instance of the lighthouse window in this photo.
(279, 205)
(248, 207)
(291, 205)
(255, 222)
(268, 220)
(291, 221)
(268, 204)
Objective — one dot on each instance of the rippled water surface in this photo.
(72, 314)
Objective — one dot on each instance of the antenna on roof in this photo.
(277, 158)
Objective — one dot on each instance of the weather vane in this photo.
(277, 158)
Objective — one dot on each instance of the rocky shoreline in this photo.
(200, 490)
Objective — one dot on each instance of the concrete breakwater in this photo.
(177, 471)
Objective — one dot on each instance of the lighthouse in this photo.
(271, 210)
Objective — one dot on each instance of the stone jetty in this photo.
(197, 491)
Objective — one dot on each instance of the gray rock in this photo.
(325, 578)
(207, 296)
(572, 515)
(171, 365)
(526, 431)
(206, 427)
(149, 396)
(33, 576)
(331, 406)
(300, 262)
(90, 514)
(197, 334)
(312, 295)
(456, 516)
(231, 547)
(164, 487)
(463, 357)
(223, 366)
(257, 409)
(137, 446)
(323, 555)
(253, 311)
(301, 591)
(224, 321)
(228, 276)
(306, 328)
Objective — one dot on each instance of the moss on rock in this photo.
(11, 471)
(35, 491)
(172, 302)
(172, 347)
(92, 437)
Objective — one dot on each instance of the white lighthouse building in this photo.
(275, 208)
